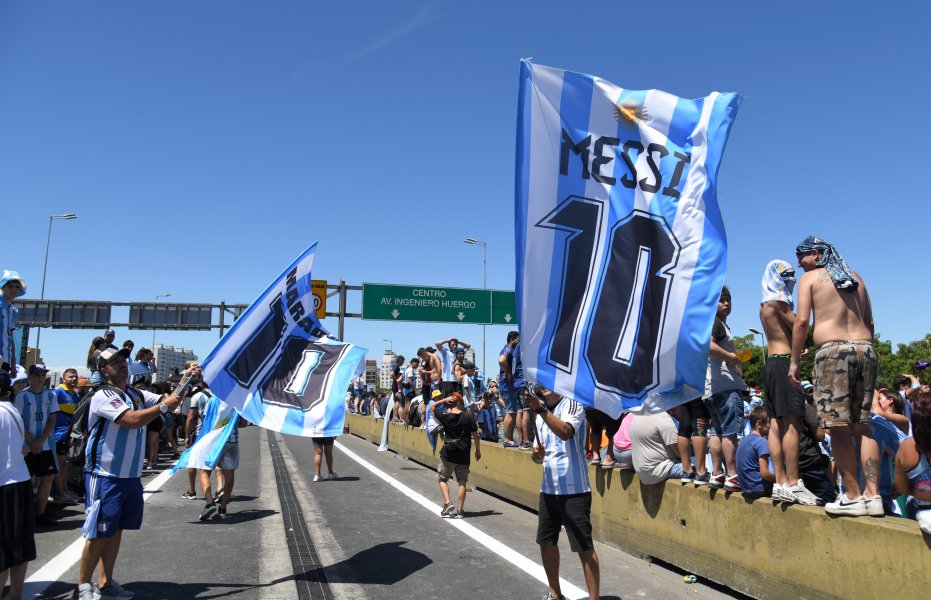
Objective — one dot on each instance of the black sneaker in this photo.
(221, 514)
(209, 509)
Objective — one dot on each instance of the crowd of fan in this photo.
(720, 440)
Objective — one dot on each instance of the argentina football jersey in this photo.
(113, 450)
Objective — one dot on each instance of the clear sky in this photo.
(205, 144)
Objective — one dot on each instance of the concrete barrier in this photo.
(753, 547)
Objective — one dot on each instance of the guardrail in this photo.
(753, 547)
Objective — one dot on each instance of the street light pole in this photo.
(48, 241)
(484, 246)
(157, 296)
(762, 342)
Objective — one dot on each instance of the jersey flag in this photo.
(220, 420)
(620, 245)
(278, 367)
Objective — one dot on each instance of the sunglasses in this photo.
(801, 254)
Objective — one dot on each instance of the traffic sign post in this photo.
(386, 302)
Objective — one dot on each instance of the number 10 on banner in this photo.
(623, 299)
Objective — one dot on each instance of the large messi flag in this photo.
(620, 244)
(278, 367)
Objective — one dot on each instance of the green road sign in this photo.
(436, 304)
(503, 308)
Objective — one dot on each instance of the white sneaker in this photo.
(779, 494)
(844, 506)
(874, 506)
(87, 591)
(318, 478)
(924, 520)
(801, 494)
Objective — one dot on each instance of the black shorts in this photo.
(41, 464)
(17, 524)
(448, 387)
(782, 398)
(599, 421)
(574, 512)
(323, 441)
(693, 419)
(155, 425)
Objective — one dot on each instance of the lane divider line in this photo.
(56, 568)
(514, 557)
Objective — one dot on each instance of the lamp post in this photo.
(157, 296)
(762, 342)
(484, 246)
(48, 241)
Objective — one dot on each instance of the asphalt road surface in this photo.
(373, 533)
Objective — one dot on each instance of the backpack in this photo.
(77, 432)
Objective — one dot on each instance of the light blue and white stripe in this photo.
(551, 101)
(288, 370)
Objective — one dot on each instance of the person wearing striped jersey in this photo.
(565, 494)
(12, 287)
(448, 383)
(116, 420)
(38, 407)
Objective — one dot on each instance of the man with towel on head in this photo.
(845, 368)
(785, 402)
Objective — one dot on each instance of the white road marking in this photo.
(512, 556)
(56, 568)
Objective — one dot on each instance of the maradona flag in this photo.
(620, 244)
(278, 367)
(219, 423)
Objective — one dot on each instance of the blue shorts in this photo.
(727, 409)
(356, 393)
(514, 400)
(111, 504)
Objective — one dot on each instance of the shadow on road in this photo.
(358, 569)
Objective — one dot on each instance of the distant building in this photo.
(384, 372)
(169, 357)
(371, 375)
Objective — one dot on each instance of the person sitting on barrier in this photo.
(486, 418)
(693, 427)
(756, 479)
(600, 424)
(459, 431)
(621, 446)
(814, 466)
(912, 466)
(888, 435)
(415, 410)
(466, 371)
(654, 449)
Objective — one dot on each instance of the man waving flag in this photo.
(620, 244)
(278, 367)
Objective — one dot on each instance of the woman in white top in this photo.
(17, 507)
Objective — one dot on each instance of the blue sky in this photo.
(205, 144)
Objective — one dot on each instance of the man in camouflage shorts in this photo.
(845, 368)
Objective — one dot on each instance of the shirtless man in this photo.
(785, 403)
(845, 368)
